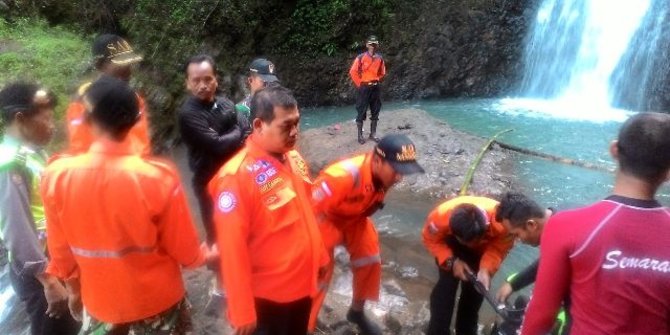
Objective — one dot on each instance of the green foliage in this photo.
(51, 56)
(329, 26)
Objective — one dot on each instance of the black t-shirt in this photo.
(212, 132)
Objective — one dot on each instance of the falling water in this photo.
(577, 54)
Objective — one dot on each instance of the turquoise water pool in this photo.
(571, 135)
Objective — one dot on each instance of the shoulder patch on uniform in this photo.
(226, 202)
(432, 228)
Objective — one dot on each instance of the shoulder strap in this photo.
(360, 64)
(381, 66)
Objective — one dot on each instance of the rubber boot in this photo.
(373, 131)
(365, 325)
(361, 140)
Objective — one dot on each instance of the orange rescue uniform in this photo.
(494, 245)
(121, 223)
(344, 197)
(79, 132)
(367, 68)
(266, 230)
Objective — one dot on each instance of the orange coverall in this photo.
(122, 224)
(344, 197)
(266, 230)
(79, 132)
(367, 68)
(494, 246)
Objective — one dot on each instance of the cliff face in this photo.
(433, 48)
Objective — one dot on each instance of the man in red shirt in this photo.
(367, 72)
(119, 226)
(612, 259)
(271, 249)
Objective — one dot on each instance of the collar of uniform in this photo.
(10, 141)
(255, 148)
(104, 145)
(373, 56)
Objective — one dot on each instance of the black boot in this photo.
(373, 131)
(364, 324)
(361, 140)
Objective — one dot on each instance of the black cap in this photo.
(372, 40)
(265, 69)
(399, 151)
(115, 49)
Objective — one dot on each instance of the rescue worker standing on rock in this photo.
(271, 249)
(119, 226)
(112, 56)
(464, 236)
(345, 195)
(367, 72)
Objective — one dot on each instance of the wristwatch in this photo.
(449, 263)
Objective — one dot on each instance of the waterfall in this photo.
(583, 57)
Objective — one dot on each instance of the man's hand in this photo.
(484, 277)
(211, 254)
(74, 299)
(56, 296)
(504, 292)
(460, 269)
(76, 307)
(247, 329)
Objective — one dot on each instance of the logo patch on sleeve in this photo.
(227, 202)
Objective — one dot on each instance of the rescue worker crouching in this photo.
(464, 236)
(345, 195)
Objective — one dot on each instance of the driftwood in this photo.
(553, 158)
(471, 171)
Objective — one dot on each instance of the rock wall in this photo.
(433, 48)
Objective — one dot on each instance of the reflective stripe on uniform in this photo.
(326, 189)
(365, 261)
(111, 253)
(353, 170)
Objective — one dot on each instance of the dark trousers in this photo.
(275, 318)
(368, 96)
(206, 208)
(31, 292)
(442, 299)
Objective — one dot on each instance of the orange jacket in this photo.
(494, 246)
(367, 68)
(344, 191)
(122, 224)
(79, 131)
(266, 230)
